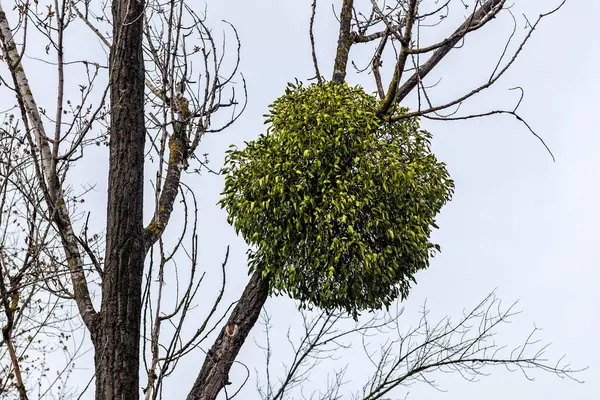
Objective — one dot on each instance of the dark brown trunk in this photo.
(215, 370)
(117, 336)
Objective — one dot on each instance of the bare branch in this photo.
(484, 13)
(312, 40)
(48, 175)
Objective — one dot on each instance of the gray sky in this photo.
(518, 222)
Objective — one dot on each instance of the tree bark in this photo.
(219, 359)
(117, 336)
(345, 39)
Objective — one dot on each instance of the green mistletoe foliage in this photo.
(337, 204)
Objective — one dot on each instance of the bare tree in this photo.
(36, 304)
(402, 356)
(158, 83)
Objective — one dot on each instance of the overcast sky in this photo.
(518, 222)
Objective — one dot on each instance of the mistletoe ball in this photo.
(336, 203)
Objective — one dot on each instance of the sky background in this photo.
(518, 223)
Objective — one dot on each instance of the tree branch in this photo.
(215, 371)
(53, 193)
(485, 13)
(390, 97)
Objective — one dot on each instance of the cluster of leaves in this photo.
(337, 204)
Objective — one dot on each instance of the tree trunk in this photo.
(219, 359)
(116, 337)
(344, 43)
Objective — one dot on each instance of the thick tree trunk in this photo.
(117, 335)
(215, 370)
